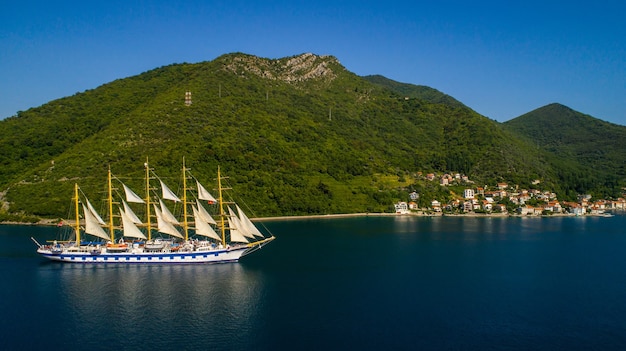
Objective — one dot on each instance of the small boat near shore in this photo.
(197, 238)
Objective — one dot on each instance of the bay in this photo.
(403, 283)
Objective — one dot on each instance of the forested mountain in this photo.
(597, 147)
(297, 135)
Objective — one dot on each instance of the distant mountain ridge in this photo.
(415, 91)
(297, 135)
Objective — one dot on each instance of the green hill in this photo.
(297, 135)
(596, 147)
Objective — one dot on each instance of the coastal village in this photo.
(505, 200)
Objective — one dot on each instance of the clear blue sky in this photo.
(501, 58)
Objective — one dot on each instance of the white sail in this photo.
(167, 193)
(94, 213)
(167, 215)
(235, 235)
(164, 226)
(241, 228)
(131, 196)
(204, 214)
(131, 215)
(130, 229)
(248, 223)
(202, 227)
(203, 194)
(91, 225)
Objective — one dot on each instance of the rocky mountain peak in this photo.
(295, 69)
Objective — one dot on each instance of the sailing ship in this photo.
(201, 240)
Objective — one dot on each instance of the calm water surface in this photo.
(356, 283)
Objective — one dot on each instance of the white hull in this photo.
(138, 256)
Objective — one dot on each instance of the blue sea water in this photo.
(393, 283)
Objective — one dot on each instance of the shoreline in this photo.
(472, 215)
(53, 222)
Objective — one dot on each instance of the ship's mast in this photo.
(185, 223)
(148, 199)
(110, 201)
(77, 228)
(221, 200)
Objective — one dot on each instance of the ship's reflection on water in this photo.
(189, 305)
